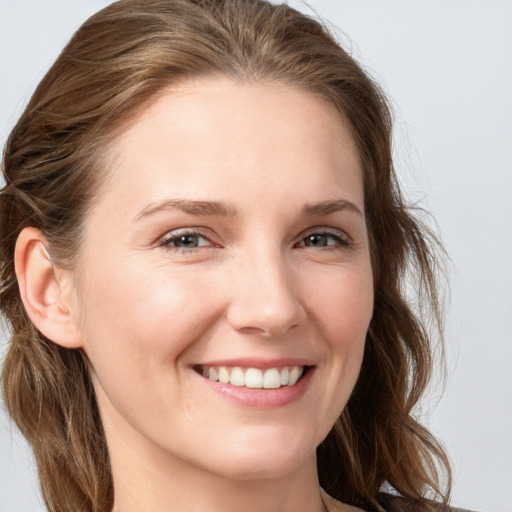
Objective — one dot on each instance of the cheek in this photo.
(139, 325)
(343, 304)
(343, 308)
(137, 320)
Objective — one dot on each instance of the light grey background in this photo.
(447, 64)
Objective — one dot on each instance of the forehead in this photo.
(211, 136)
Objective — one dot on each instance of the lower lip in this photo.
(261, 398)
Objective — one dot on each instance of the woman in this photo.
(204, 249)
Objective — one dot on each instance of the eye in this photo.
(186, 240)
(325, 239)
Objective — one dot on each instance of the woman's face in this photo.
(227, 255)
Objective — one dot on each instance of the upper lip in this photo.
(261, 363)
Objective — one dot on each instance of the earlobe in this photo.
(44, 290)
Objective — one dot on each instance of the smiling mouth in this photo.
(253, 378)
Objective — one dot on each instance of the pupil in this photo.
(317, 240)
(188, 241)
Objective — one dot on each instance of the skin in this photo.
(147, 311)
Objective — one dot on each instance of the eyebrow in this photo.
(331, 206)
(215, 208)
(221, 209)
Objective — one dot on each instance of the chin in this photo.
(250, 469)
(266, 458)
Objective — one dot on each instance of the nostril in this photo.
(264, 298)
(254, 331)
(265, 321)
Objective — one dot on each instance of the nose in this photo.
(265, 299)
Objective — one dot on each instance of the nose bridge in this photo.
(265, 299)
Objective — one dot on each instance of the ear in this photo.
(46, 290)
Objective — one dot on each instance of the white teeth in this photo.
(254, 378)
(272, 379)
(295, 375)
(237, 377)
(223, 375)
(213, 374)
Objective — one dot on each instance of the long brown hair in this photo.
(54, 163)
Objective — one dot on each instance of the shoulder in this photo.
(333, 505)
(391, 503)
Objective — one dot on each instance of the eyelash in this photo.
(342, 241)
(167, 241)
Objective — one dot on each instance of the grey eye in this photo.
(186, 241)
(319, 240)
